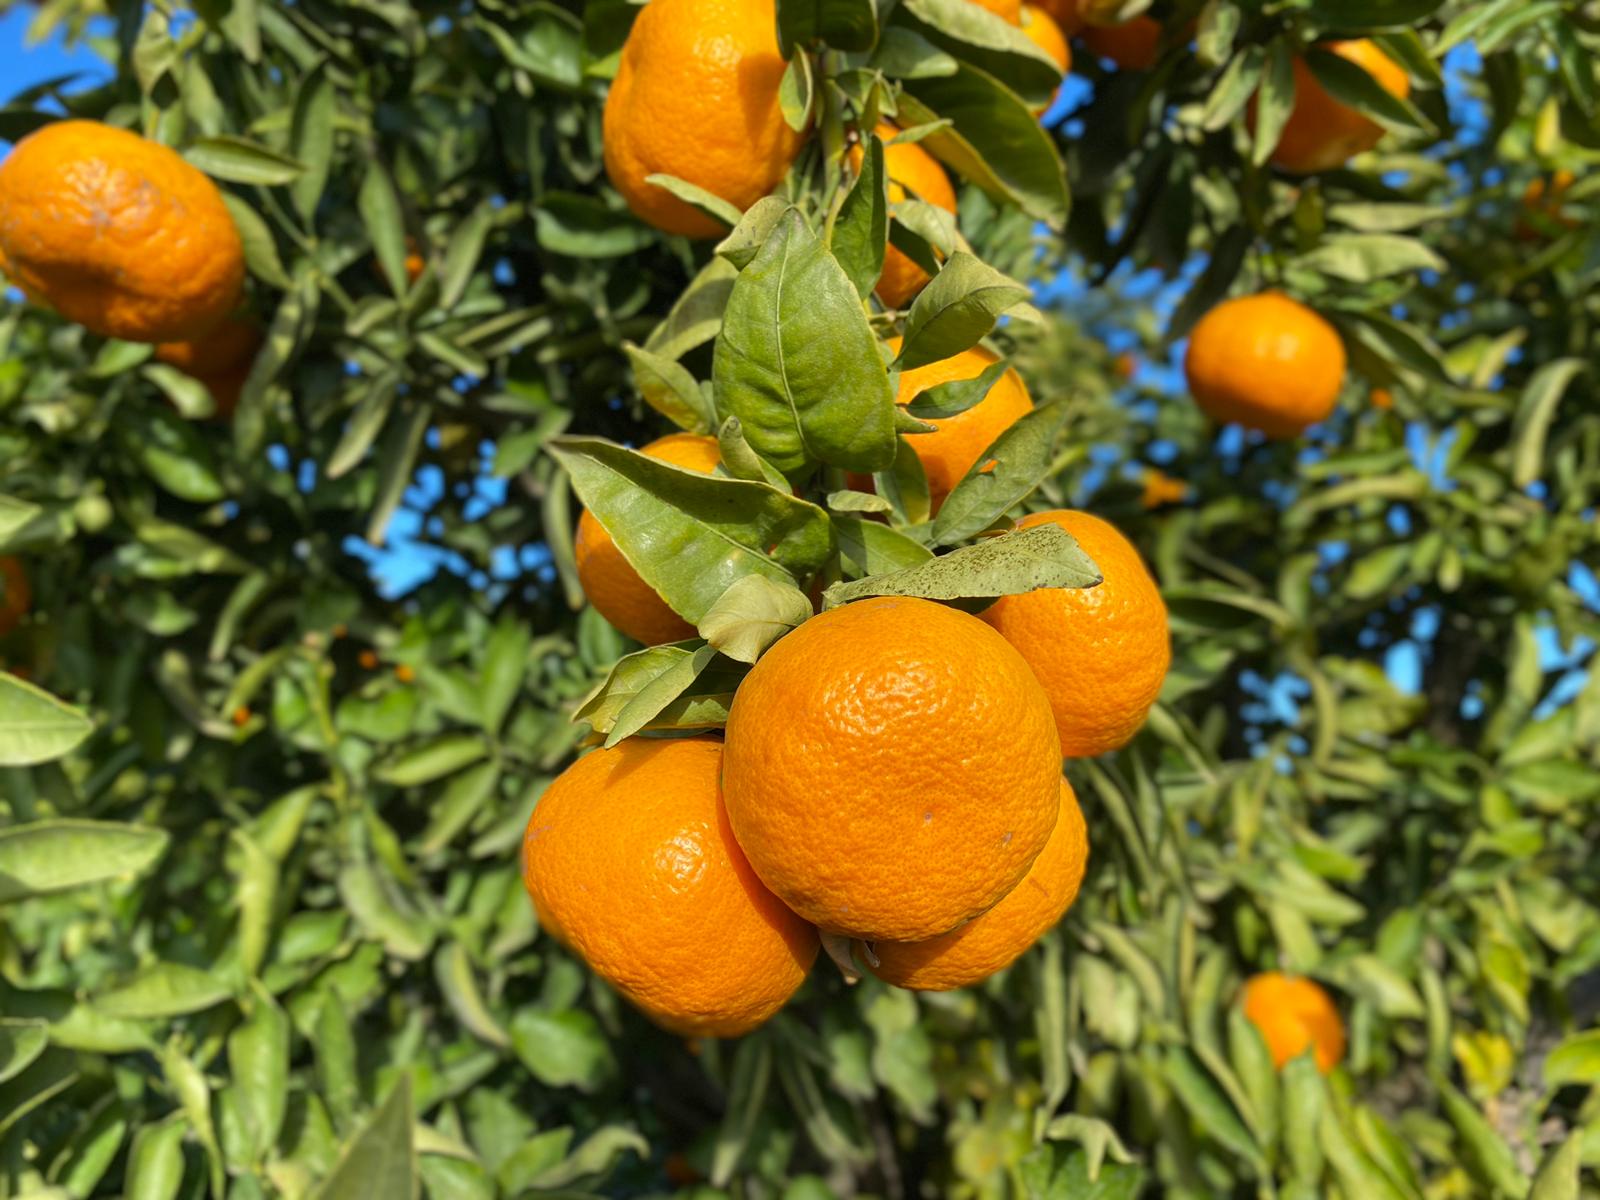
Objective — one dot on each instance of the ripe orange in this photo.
(232, 343)
(696, 96)
(956, 445)
(1323, 133)
(1101, 652)
(16, 596)
(1161, 489)
(1267, 362)
(1011, 10)
(1382, 399)
(892, 769)
(912, 170)
(609, 580)
(1133, 45)
(630, 862)
(117, 233)
(1043, 31)
(995, 940)
(1544, 202)
(1065, 14)
(1293, 1014)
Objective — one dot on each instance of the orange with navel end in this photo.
(118, 233)
(696, 96)
(892, 769)
(989, 943)
(1293, 1015)
(1132, 45)
(16, 596)
(610, 581)
(955, 447)
(1101, 653)
(1043, 31)
(1323, 133)
(630, 863)
(1266, 362)
(911, 170)
(1011, 10)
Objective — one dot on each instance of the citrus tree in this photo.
(837, 348)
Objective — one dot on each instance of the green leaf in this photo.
(1386, 218)
(1350, 84)
(1483, 1152)
(1274, 100)
(740, 461)
(1222, 268)
(366, 422)
(239, 160)
(949, 399)
(1044, 556)
(842, 24)
(462, 254)
(1002, 477)
(696, 317)
(432, 760)
(654, 694)
(258, 1058)
(1357, 1173)
(753, 613)
(35, 727)
(797, 93)
(155, 1161)
(166, 989)
(873, 548)
(311, 137)
(15, 515)
(379, 205)
(956, 310)
(994, 140)
(710, 203)
(984, 40)
(397, 460)
(1535, 414)
(797, 362)
(1360, 15)
(859, 236)
(1558, 1174)
(585, 227)
(1364, 257)
(1575, 1060)
(175, 454)
(20, 1043)
(690, 536)
(703, 705)
(1210, 1108)
(260, 248)
(1233, 89)
(670, 389)
(381, 1160)
(564, 1049)
(747, 1091)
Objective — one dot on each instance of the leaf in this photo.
(797, 93)
(1361, 15)
(1575, 1059)
(155, 1161)
(842, 24)
(949, 399)
(750, 1081)
(1222, 268)
(982, 39)
(432, 760)
(1386, 218)
(1274, 100)
(1364, 257)
(854, 502)
(1233, 89)
(21, 1042)
(994, 141)
(1350, 84)
(166, 989)
(175, 454)
(956, 310)
(1210, 1108)
(1558, 1174)
(35, 727)
(258, 1059)
(565, 1049)
(1483, 1152)
(260, 249)
(872, 548)
(585, 227)
(659, 691)
(690, 536)
(754, 228)
(752, 614)
(397, 460)
(670, 389)
(705, 705)
(311, 138)
(712, 205)
(15, 515)
(239, 160)
(859, 236)
(797, 362)
(379, 206)
(381, 1160)
(696, 316)
(1535, 414)
(1044, 556)
(1002, 477)
(462, 255)
(366, 422)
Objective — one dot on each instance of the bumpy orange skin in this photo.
(1133, 45)
(1293, 1013)
(955, 446)
(608, 578)
(16, 596)
(118, 233)
(892, 769)
(912, 170)
(1322, 133)
(630, 862)
(1101, 652)
(992, 942)
(1043, 31)
(696, 96)
(1011, 10)
(1266, 362)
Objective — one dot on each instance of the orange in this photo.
(631, 864)
(992, 942)
(892, 769)
(610, 581)
(16, 596)
(1323, 133)
(1267, 362)
(1064, 13)
(117, 233)
(696, 96)
(1543, 202)
(1133, 45)
(1161, 489)
(1011, 10)
(1292, 1015)
(955, 446)
(1382, 399)
(221, 359)
(1101, 652)
(1046, 34)
(912, 170)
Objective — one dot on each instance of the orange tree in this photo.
(264, 928)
